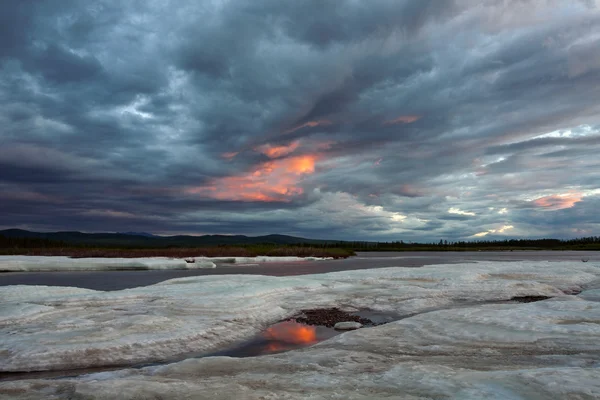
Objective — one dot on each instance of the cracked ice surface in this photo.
(543, 350)
(41, 263)
(53, 328)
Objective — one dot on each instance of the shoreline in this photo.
(182, 253)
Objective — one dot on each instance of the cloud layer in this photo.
(390, 120)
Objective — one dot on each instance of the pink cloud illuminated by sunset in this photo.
(277, 151)
(273, 181)
(309, 124)
(558, 201)
(403, 119)
(108, 213)
(229, 155)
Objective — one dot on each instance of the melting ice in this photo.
(452, 344)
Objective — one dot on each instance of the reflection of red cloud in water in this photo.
(291, 332)
(558, 201)
(276, 346)
(275, 180)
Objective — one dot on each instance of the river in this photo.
(118, 280)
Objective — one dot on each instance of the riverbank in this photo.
(216, 251)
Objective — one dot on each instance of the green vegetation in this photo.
(76, 244)
(47, 247)
(586, 243)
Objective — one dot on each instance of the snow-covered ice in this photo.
(438, 355)
(449, 346)
(40, 263)
(263, 259)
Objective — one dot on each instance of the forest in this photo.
(273, 245)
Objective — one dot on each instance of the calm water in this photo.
(116, 280)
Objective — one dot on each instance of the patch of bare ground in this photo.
(328, 317)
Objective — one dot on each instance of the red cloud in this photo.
(558, 201)
(309, 124)
(276, 180)
(403, 119)
(277, 151)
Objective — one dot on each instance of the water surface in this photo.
(117, 280)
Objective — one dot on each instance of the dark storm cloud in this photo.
(382, 119)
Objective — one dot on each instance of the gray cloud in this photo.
(390, 120)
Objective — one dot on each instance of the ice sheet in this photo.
(592, 295)
(40, 263)
(472, 353)
(48, 328)
(263, 259)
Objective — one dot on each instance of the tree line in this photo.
(30, 243)
(584, 243)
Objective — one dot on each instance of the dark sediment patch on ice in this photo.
(328, 317)
(529, 299)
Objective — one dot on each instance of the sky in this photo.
(360, 120)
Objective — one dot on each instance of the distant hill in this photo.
(141, 239)
(19, 238)
(138, 234)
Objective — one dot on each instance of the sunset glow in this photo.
(277, 151)
(403, 119)
(558, 201)
(502, 229)
(310, 124)
(273, 181)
